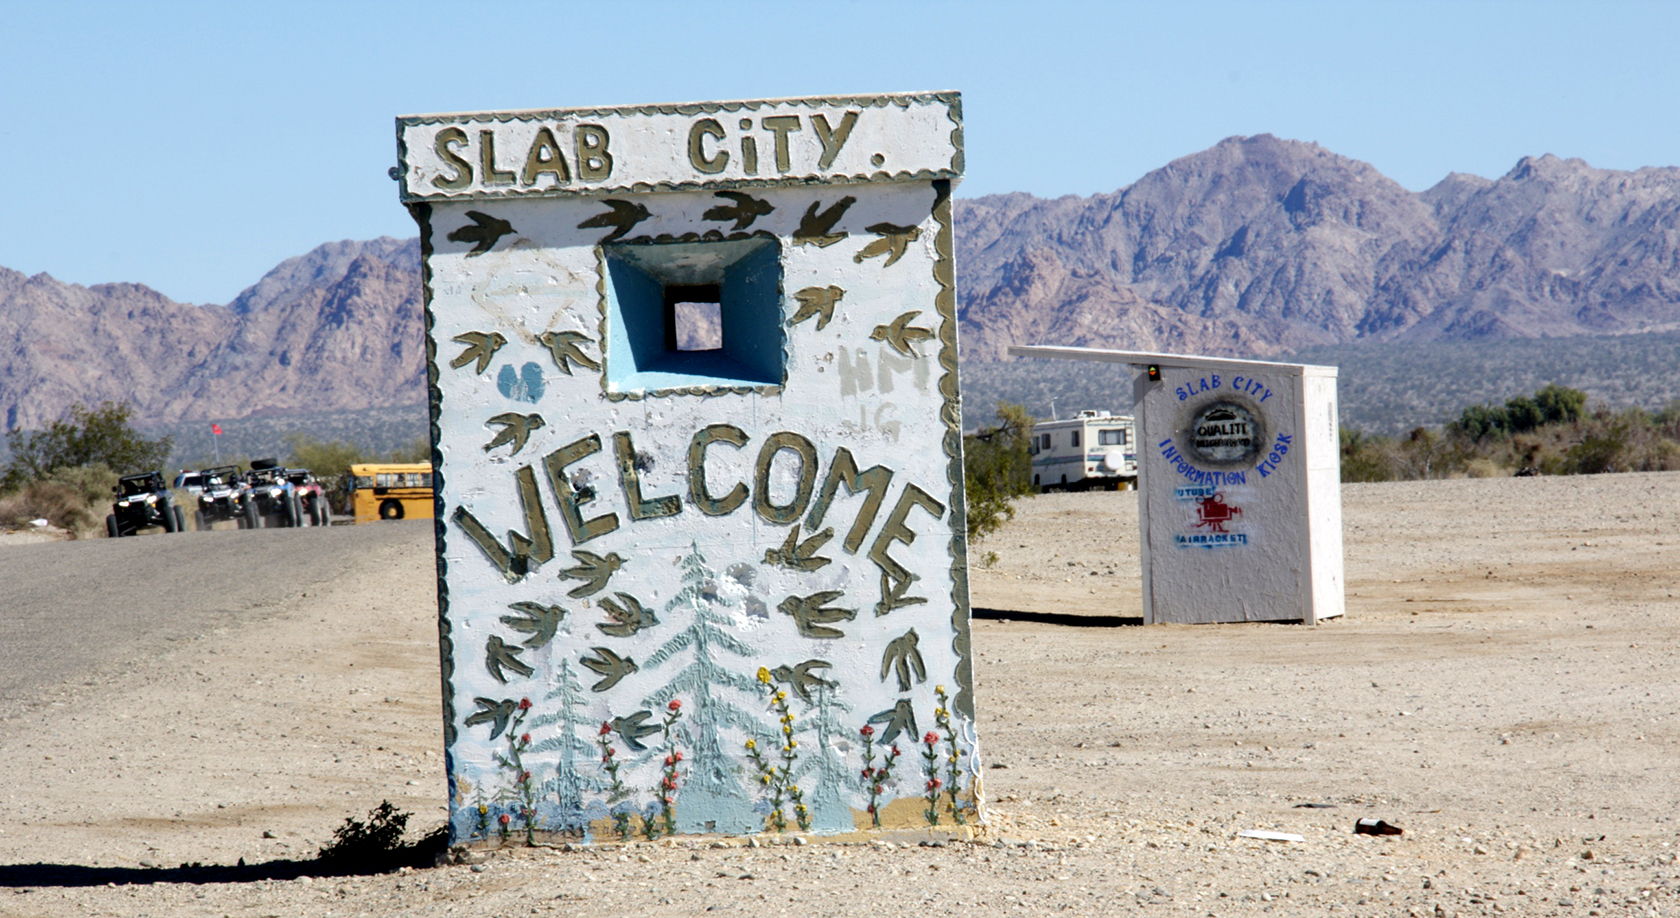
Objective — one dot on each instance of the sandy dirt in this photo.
(1502, 688)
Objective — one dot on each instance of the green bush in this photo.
(997, 468)
(89, 436)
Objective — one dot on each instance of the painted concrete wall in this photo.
(1239, 483)
(698, 590)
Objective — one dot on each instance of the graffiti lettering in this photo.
(1183, 466)
(572, 495)
(1280, 448)
(544, 163)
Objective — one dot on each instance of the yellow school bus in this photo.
(391, 491)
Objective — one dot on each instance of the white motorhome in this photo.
(1092, 449)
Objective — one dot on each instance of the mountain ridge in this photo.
(1257, 246)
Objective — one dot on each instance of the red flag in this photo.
(216, 429)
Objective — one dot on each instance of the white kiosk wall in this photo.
(1239, 486)
(700, 523)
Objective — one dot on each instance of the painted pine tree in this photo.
(713, 798)
(829, 774)
(570, 723)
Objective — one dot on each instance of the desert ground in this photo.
(1502, 688)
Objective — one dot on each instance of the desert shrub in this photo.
(92, 482)
(100, 435)
(366, 845)
(60, 504)
(997, 469)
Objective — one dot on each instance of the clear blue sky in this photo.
(193, 146)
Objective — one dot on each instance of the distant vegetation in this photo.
(997, 469)
(64, 473)
(1386, 388)
(1552, 432)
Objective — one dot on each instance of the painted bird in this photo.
(901, 336)
(894, 242)
(593, 570)
(633, 728)
(484, 230)
(810, 615)
(900, 718)
(481, 346)
(902, 658)
(800, 678)
(816, 301)
(744, 211)
(609, 666)
(622, 216)
(800, 556)
(563, 347)
(628, 616)
(493, 712)
(892, 594)
(515, 428)
(818, 228)
(499, 656)
(539, 621)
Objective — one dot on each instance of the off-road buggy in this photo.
(143, 501)
(312, 498)
(223, 498)
(271, 496)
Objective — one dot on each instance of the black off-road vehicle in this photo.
(143, 501)
(223, 498)
(271, 495)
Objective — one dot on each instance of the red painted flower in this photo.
(876, 790)
(872, 808)
(930, 738)
(504, 819)
(895, 752)
(524, 777)
(524, 704)
(868, 771)
(605, 728)
(524, 739)
(867, 730)
(678, 755)
(934, 783)
(675, 705)
(609, 753)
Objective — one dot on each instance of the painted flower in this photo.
(504, 819)
(930, 738)
(675, 705)
(867, 730)
(752, 744)
(524, 777)
(524, 704)
(677, 755)
(934, 783)
(524, 739)
(764, 675)
(482, 809)
(868, 771)
(872, 808)
(605, 728)
(939, 689)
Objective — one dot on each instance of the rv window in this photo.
(1111, 437)
(1076, 439)
(1045, 444)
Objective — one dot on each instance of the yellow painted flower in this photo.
(764, 779)
(752, 744)
(764, 675)
(939, 689)
(482, 809)
(781, 696)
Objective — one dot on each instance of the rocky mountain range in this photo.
(1255, 247)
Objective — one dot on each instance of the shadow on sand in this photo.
(1066, 619)
(425, 853)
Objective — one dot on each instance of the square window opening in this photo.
(693, 314)
(695, 320)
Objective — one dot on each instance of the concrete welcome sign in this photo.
(1239, 473)
(700, 523)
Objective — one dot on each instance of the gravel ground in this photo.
(1501, 688)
